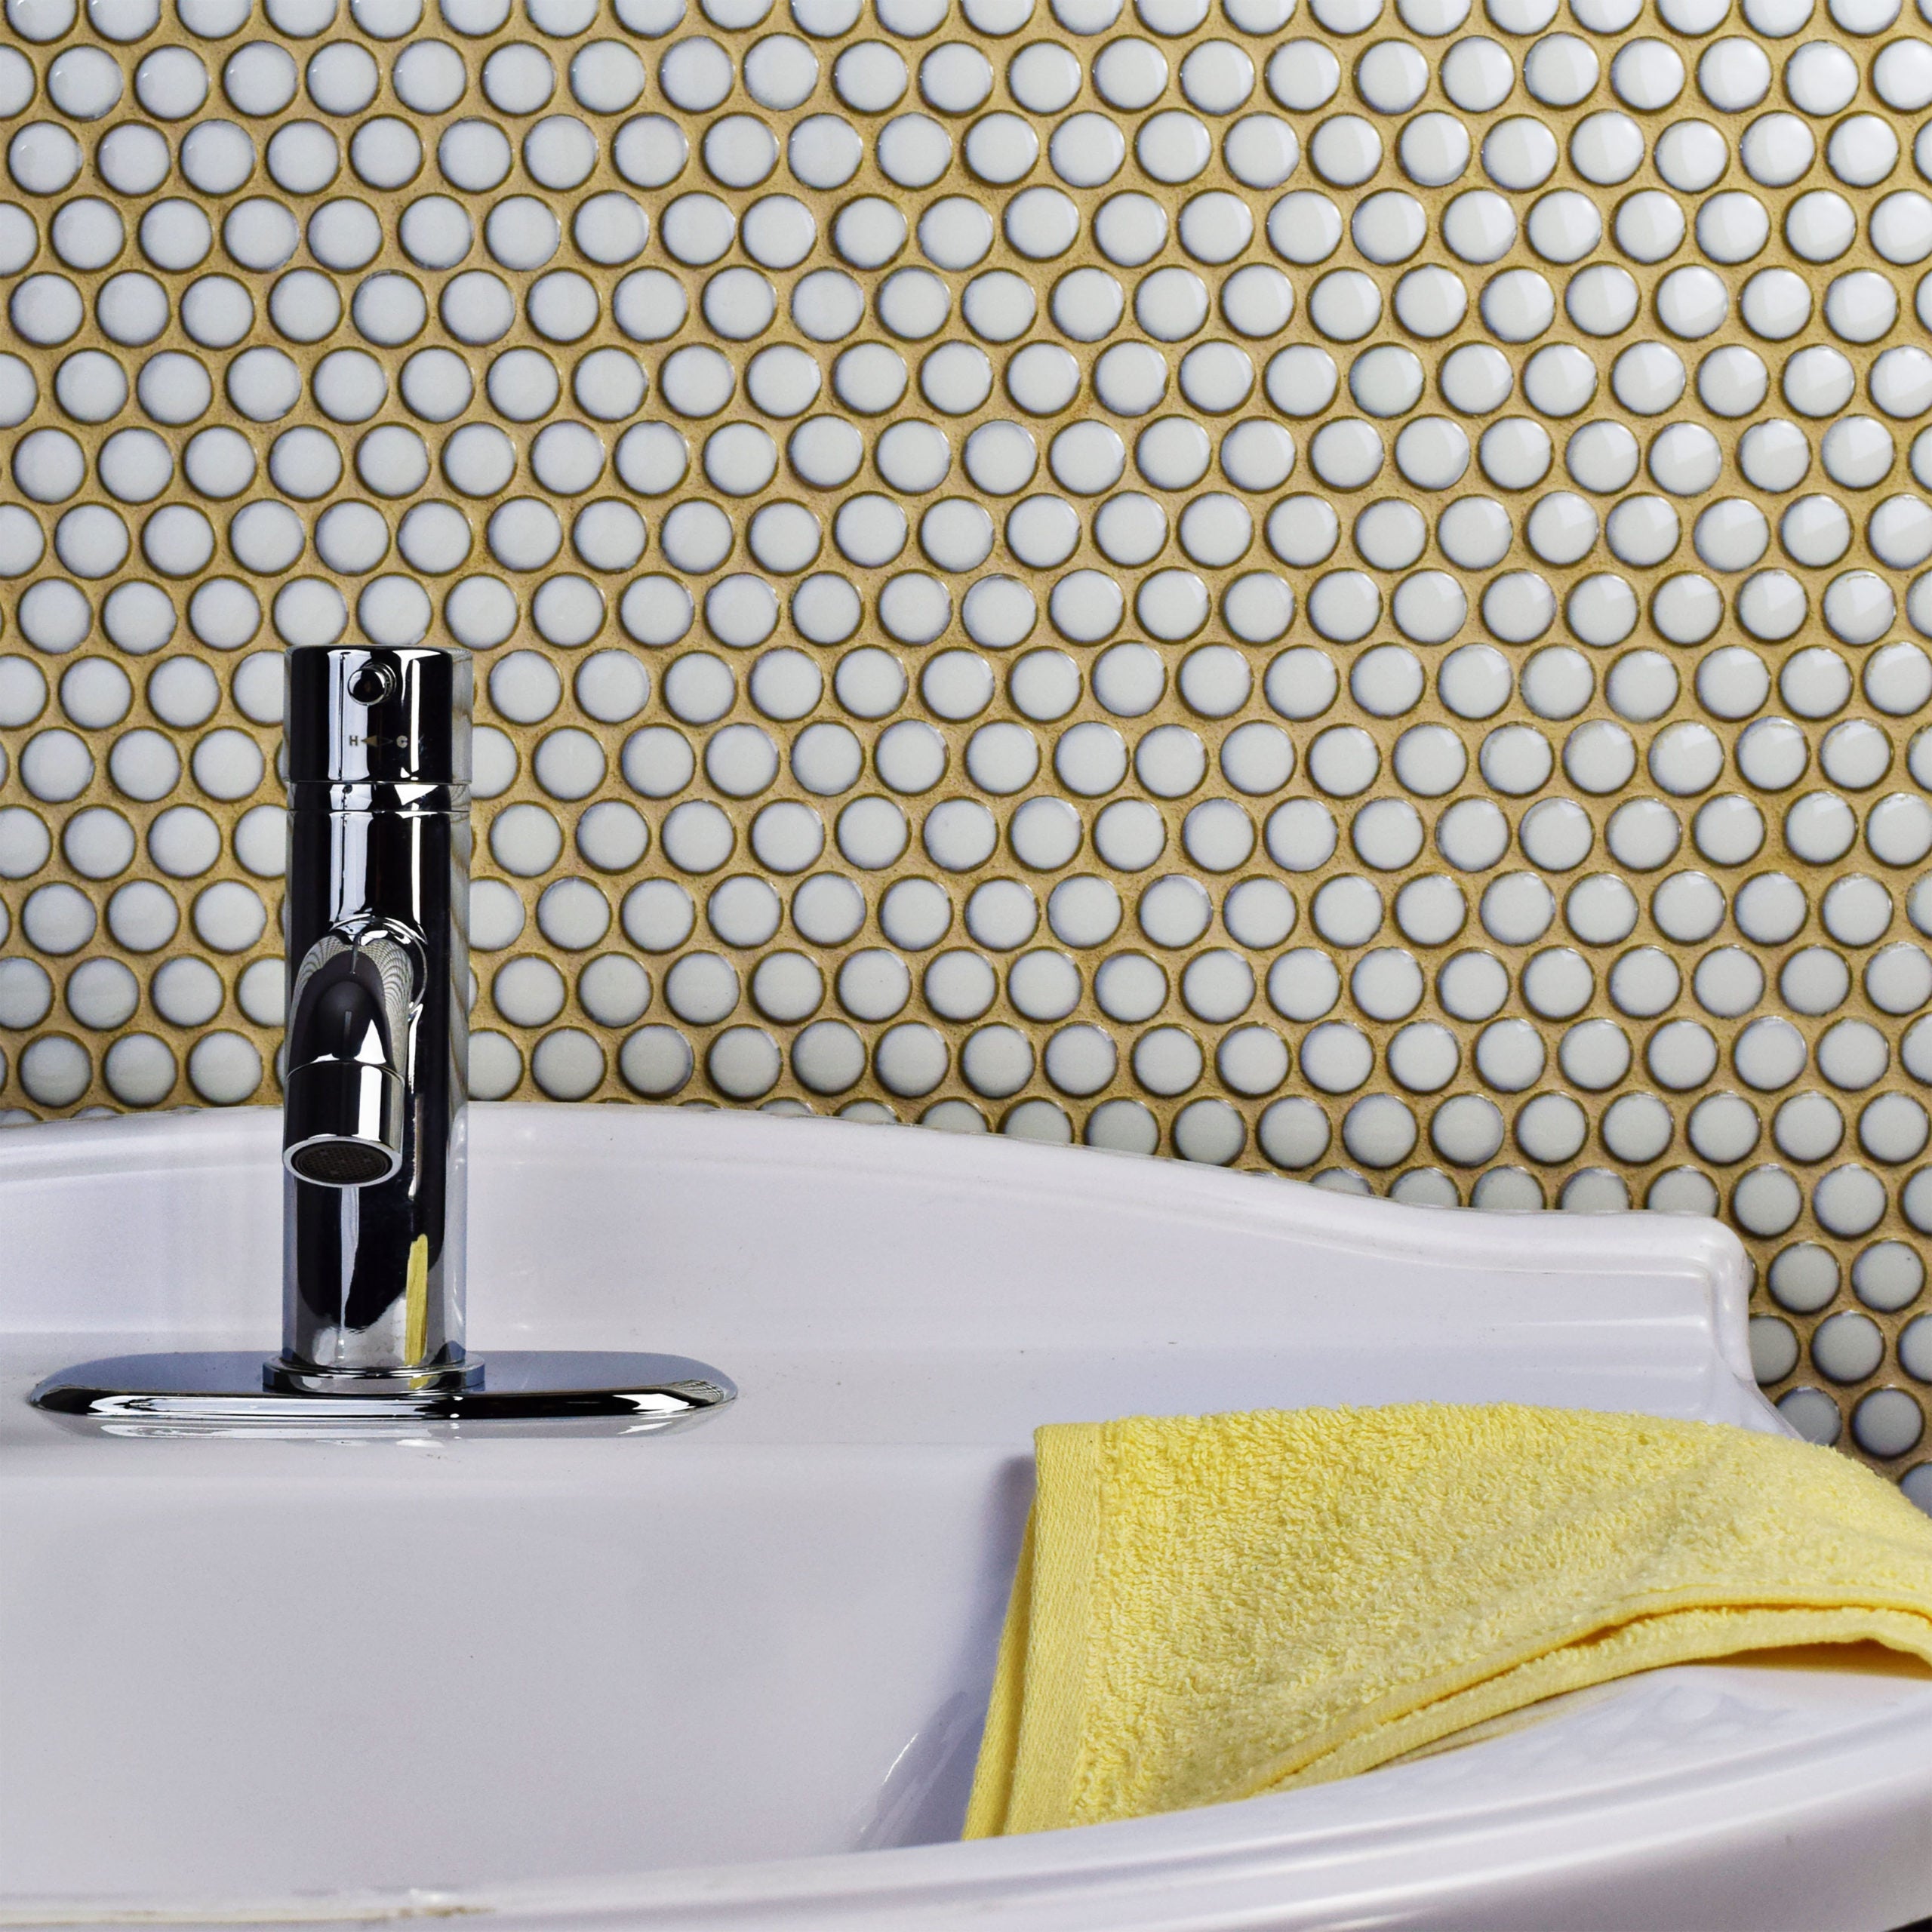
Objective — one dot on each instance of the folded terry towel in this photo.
(1208, 1607)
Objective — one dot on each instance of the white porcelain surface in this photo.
(733, 1677)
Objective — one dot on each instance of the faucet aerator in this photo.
(342, 1163)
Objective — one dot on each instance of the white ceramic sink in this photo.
(733, 1676)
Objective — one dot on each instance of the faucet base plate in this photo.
(222, 1392)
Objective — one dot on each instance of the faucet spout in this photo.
(344, 1097)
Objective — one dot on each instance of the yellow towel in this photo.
(1208, 1607)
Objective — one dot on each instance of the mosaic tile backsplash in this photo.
(1328, 588)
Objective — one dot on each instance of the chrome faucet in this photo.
(377, 1039)
(374, 1105)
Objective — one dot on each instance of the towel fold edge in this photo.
(1652, 1642)
(1046, 1763)
(992, 1776)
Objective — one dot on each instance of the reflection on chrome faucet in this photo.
(373, 1140)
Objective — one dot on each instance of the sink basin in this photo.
(733, 1675)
